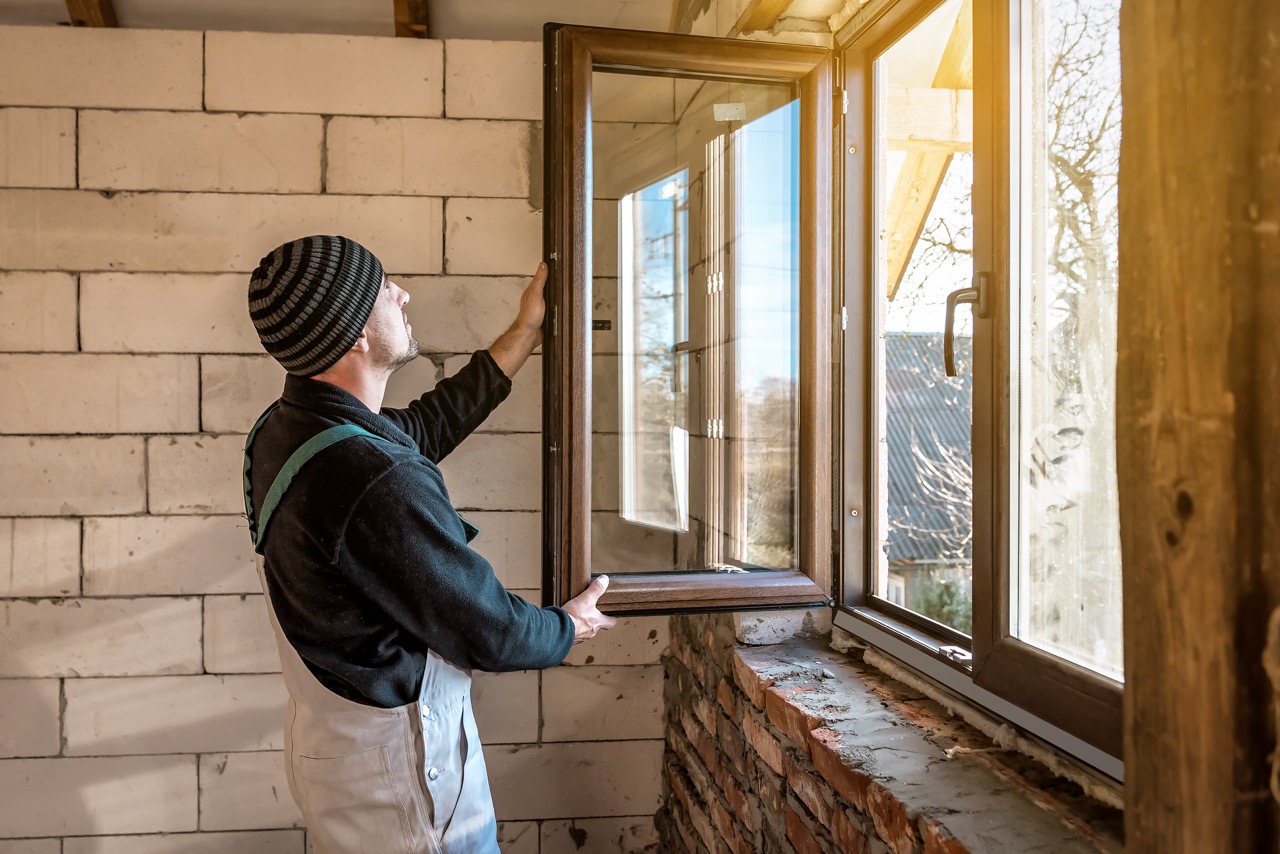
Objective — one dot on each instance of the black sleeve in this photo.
(440, 419)
(407, 541)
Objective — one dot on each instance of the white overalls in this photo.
(383, 781)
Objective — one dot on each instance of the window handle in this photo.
(975, 296)
(679, 348)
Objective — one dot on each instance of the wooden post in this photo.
(412, 19)
(91, 13)
(1198, 419)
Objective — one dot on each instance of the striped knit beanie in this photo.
(310, 299)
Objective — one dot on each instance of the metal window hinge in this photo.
(844, 317)
(555, 320)
(844, 102)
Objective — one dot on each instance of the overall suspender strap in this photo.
(298, 459)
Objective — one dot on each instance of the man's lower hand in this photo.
(587, 619)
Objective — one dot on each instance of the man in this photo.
(380, 607)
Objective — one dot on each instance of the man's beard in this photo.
(410, 353)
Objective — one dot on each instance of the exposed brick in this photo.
(771, 789)
(787, 716)
(705, 713)
(848, 838)
(132, 68)
(751, 683)
(811, 791)
(850, 783)
(799, 835)
(701, 741)
(733, 745)
(891, 821)
(938, 841)
(697, 815)
(39, 148)
(739, 804)
(727, 699)
(763, 743)
(328, 74)
(725, 823)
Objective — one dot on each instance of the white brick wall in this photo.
(224, 152)
(39, 147)
(37, 312)
(350, 75)
(165, 313)
(428, 157)
(143, 174)
(493, 80)
(130, 69)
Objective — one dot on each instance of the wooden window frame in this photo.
(571, 55)
(1069, 698)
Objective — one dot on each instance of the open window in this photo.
(688, 396)
(717, 315)
(980, 383)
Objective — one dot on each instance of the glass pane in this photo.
(924, 222)
(1067, 584)
(695, 314)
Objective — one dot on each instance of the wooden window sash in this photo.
(571, 54)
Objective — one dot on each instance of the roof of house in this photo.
(928, 421)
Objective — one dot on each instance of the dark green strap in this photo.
(298, 459)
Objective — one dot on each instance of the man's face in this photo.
(391, 341)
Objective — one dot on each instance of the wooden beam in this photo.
(760, 15)
(955, 68)
(927, 160)
(909, 206)
(920, 117)
(1197, 416)
(91, 13)
(411, 19)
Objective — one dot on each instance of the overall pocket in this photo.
(354, 803)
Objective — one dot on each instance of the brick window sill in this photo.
(794, 746)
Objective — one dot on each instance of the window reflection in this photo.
(695, 308)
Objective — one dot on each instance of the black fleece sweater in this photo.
(366, 559)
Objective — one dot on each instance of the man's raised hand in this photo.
(587, 619)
